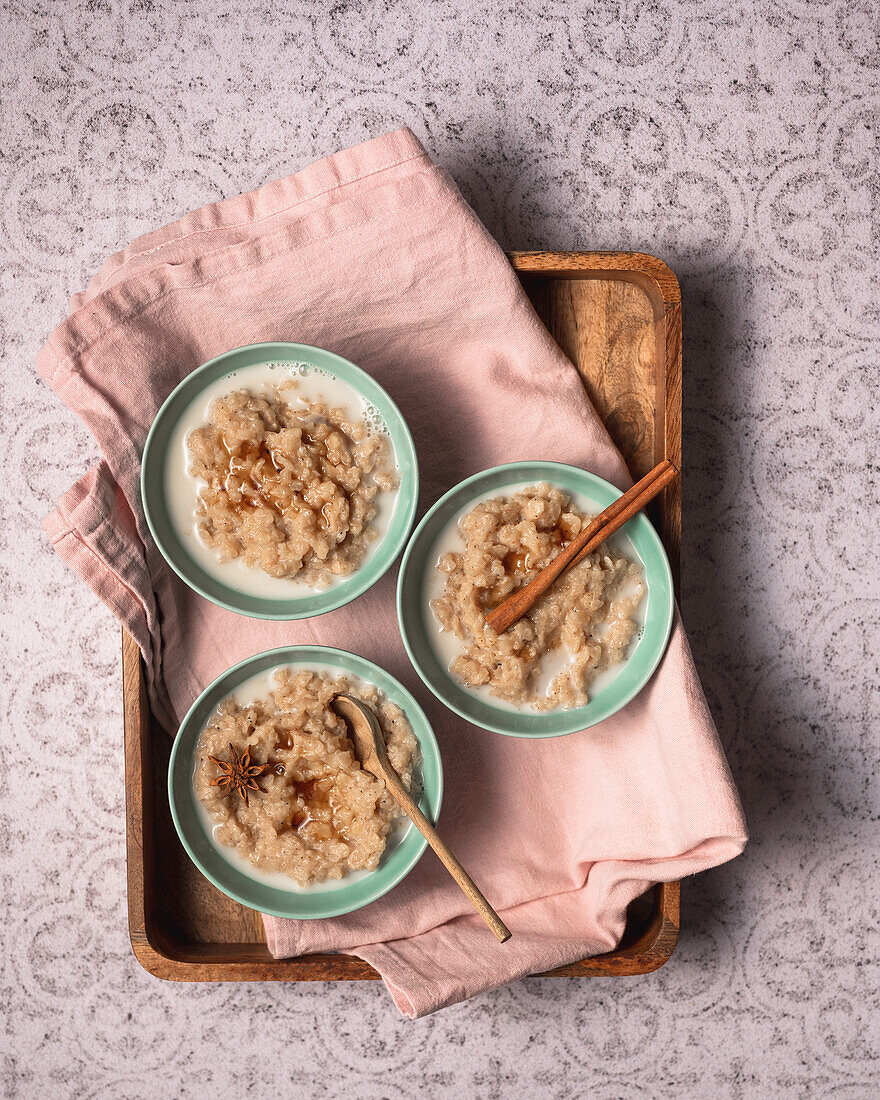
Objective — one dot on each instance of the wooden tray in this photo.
(617, 315)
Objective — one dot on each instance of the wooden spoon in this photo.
(369, 746)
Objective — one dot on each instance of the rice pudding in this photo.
(571, 641)
(280, 475)
(317, 815)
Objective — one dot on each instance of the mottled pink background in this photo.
(738, 141)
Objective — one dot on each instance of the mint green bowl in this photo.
(419, 560)
(306, 603)
(322, 899)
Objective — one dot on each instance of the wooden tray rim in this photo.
(251, 961)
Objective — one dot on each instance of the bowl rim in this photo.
(573, 724)
(331, 602)
(430, 801)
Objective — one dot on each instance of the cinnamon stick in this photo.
(594, 534)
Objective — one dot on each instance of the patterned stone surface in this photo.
(736, 140)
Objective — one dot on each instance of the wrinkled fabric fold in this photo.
(373, 254)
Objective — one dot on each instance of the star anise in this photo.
(238, 773)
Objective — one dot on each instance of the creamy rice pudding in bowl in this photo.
(269, 800)
(582, 652)
(279, 481)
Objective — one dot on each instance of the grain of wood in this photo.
(617, 315)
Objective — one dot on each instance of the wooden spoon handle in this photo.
(464, 880)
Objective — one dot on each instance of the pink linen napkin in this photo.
(374, 254)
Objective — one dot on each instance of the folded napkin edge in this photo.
(320, 177)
